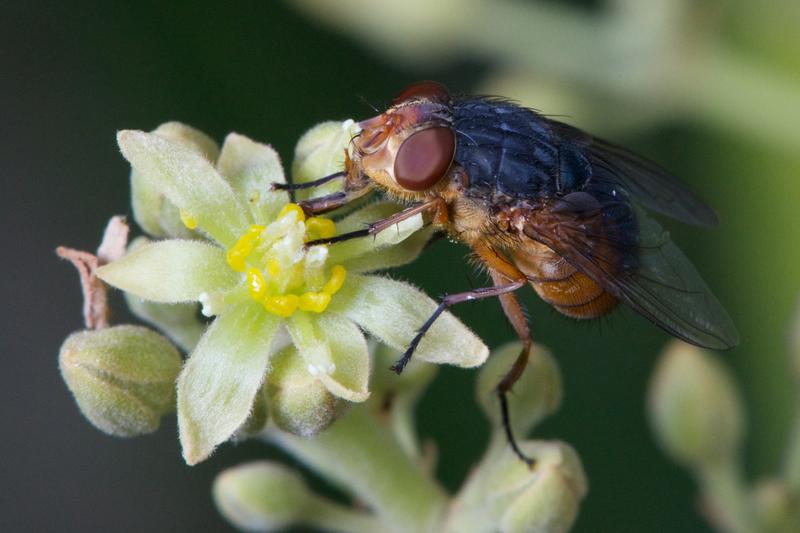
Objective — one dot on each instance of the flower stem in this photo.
(329, 516)
(729, 505)
(361, 455)
(792, 464)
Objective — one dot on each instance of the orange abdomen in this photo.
(561, 285)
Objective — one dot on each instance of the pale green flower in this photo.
(246, 263)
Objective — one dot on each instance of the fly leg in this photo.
(308, 184)
(447, 301)
(380, 225)
(513, 310)
(502, 271)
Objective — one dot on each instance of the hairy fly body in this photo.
(539, 202)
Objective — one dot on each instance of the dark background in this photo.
(73, 75)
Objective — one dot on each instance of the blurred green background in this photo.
(710, 89)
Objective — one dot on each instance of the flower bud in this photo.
(320, 152)
(543, 499)
(261, 496)
(778, 509)
(694, 406)
(794, 344)
(298, 401)
(259, 416)
(123, 377)
(536, 395)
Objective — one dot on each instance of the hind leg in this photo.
(502, 271)
(513, 310)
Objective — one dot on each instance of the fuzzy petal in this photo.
(251, 168)
(222, 376)
(189, 181)
(393, 311)
(350, 378)
(171, 271)
(393, 246)
(155, 214)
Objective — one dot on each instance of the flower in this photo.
(242, 255)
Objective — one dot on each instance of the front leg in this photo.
(435, 205)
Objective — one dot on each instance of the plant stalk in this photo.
(361, 456)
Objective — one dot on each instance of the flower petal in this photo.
(189, 181)
(393, 246)
(250, 168)
(393, 311)
(350, 378)
(154, 213)
(222, 376)
(179, 322)
(171, 271)
(312, 347)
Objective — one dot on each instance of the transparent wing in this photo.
(649, 184)
(665, 287)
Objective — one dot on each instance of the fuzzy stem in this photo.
(792, 462)
(361, 456)
(326, 515)
(729, 505)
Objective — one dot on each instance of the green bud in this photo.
(794, 344)
(261, 496)
(778, 510)
(694, 407)
(320, 152)
(123, 377)
(543, 499)
(259, 416)
(536, 395)
(298, 402)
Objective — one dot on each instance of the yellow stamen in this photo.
(284, 305)
(273, 267)
(238, 253)
(301, 216)
(338, 274)
(279, 273)
(236, 259)
(319, 228)
(256, 230)
(314, 301)
(255, 284)
(188, 220)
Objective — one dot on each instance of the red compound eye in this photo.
(431, 90)
(424, 158)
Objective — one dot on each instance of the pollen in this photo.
(314, 301)
(188, 220)
(284, 305)
(338, 274)
(320, 228)
(292, 208)
(255, 284)
(280, 272)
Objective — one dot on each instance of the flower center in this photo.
(282, 274)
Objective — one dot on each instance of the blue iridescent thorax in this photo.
(508, 150)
